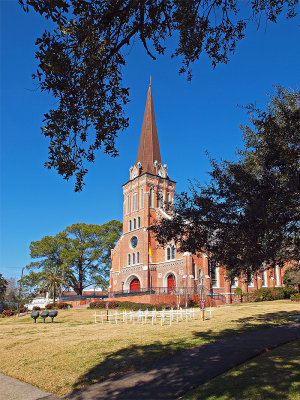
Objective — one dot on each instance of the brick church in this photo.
(139, 266)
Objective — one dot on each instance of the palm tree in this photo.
(51, 280)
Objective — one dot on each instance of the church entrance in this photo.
(171, 283)
(135, 285)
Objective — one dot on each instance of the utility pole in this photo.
(20, 291)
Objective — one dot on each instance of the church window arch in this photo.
(170, 252)
(151, 198)
(160, 200)
(141, 198)
(139, 222)
(173, 252)
(130, 225)
(133, 258)
(134, 202)
(129, 259)
(134, 223)
(127, 204)
(138, 257)
(214, 273)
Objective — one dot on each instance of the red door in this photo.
(171, 283)
(135, 285)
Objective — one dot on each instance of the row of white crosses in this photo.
(144, 316)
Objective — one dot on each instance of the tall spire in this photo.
(148, 151)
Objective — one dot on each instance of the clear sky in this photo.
(191, 117)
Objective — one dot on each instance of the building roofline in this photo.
(148, 173)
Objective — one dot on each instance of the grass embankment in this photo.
(74, 352)
(273, 375)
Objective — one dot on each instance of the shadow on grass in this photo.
(273, 375)
(138, 356)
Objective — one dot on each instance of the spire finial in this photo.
(150, 81)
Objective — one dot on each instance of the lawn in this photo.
(273, 375)
(74, 352)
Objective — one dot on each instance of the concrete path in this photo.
(12, 389)
(175, 375)
(171, 376)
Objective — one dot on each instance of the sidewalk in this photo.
(12, 389)
(171, 376)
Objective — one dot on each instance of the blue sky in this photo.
(191, 117)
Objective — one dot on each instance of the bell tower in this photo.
(148, 195)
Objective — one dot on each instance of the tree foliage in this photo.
(81, 60)
(248, 215)
(77, 257)
(292, 276)
(3, 286)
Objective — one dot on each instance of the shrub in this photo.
(7, 313)
(64, 306)
(49, 306)
(295, 297)
(23, 309)
(238, 291)
(190, 303)
(113, 304)
(97, 304)
(288, 292)
(37, 308)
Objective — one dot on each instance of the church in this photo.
(141, 270)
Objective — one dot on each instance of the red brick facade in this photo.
(137, 261)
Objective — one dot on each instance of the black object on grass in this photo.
(35, 314)
(44, 315)
(52, 314)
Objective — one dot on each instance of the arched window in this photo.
(134, 202)
(235, 282)
(173, 252)
(133, 258)
(214, 273)
(134, 223)
(142, 198)
(168, 253)
(130, 227)
(151, 198)
(139, 222)
(169, 204)
(160, 200)
(128, 259)
(138, 257)
(194, 270)
(127, 205)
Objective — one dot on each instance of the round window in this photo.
(133, 242)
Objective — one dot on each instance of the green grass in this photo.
(273, 375)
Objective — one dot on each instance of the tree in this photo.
(52, 281)
(292, 276)
(248, 215)
(86, 257)
(11, 294)
(3, 286)
(77, 257)
(81, 60)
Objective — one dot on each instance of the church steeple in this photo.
(148, 151)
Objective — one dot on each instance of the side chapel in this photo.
(138, 263)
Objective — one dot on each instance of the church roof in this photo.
(148, 151)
